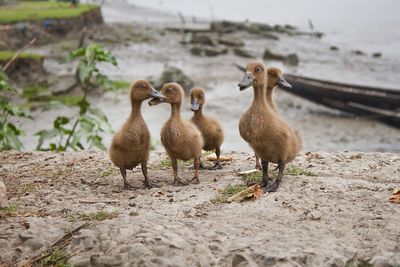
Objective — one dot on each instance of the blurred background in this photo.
(348, 48)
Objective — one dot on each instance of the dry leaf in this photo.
(133, 213)
(258, 192)
(395, 197)
(355, 157)
(219, 190)
(247, 193)
(213, 157)
(25, 224)
(248, 172)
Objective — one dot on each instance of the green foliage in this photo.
(358, 263)
(252, 177)
(168, 163)
(99, 216)
(121, 85)
(33, 92)
(9, 132)
(31, 11)
(6, 55)
(12, 207)
(56, 258)
(228, 191)
(299, 171)
(85, 127)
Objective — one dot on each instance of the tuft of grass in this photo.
(6, 55)
(228, 191)
(120, 85)
(66, 99)
(99, 216)
(41, 10)
(33, 92)
(155, 143)
(13, 207)
(358, 263)
(299, 171)
(65, 48)
(26, 188)
(252, 177)
(57, 258)
(108, 172)
(168, 163)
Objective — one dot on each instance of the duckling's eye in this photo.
(258, 69)
(169, 90)
(272, 74)
(144, 86)
(200, 96)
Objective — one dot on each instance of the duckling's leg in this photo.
(177, 181)
(146, 183)
(264, 181)
(218, 163)
(195, 179)
(123, 173)
(273, 187)
(201, 166)
(258, 166)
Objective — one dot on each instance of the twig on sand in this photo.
(61, 242)
(109, 201)
(19, 52)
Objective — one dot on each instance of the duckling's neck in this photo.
(136, 108)
(259, 95)
(176, 110)
(270, 101)
(198, 113)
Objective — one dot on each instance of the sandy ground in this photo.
(341, 214)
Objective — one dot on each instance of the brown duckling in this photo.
(131, 144)
(210, 129)
(275, 78)
(181, 138)
(271, 138)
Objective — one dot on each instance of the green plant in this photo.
(99, 216)
(9, 132)
(121, 85)
(155, 143)
(228, 191)
(56, 258)
(12, 207)
(299, 171)
(252, 177)
(90, 121)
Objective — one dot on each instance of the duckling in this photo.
(131, 144)
(271, 138)
(275, 78)
(211, 130)
(181, 138)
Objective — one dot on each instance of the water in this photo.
(367, 25)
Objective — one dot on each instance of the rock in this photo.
(61, 84)
(377, 54)
(97, 260)
(34, 243)
(315, 215)
(230, 41)
(196, 50)
(172, 74)
(239, 260)
(241, 52)
(357, 52)
(292, 59)
(89, 242)
(25, 235)
(210, 39)
(3, 195)
(215, 51)
(272, 56)
(334, 48)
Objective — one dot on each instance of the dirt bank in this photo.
(342, 213)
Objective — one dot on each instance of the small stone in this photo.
(204, 39)
(239, 260)
(215, 51)
(89, 242)
(242, 52)
(171, 200)
(97, 260)
(132, 203)
(377, 54)
(196, 50)
(3, 195)
(33, 243)
(230, 41)
(357, 52)
(25, 235)
(292, 59)
(315, 215)
(334, 48)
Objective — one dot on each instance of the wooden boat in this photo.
(373, 103)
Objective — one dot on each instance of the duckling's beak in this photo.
(195, 105)
(284, 83)
(246, 82)
(157, 97)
